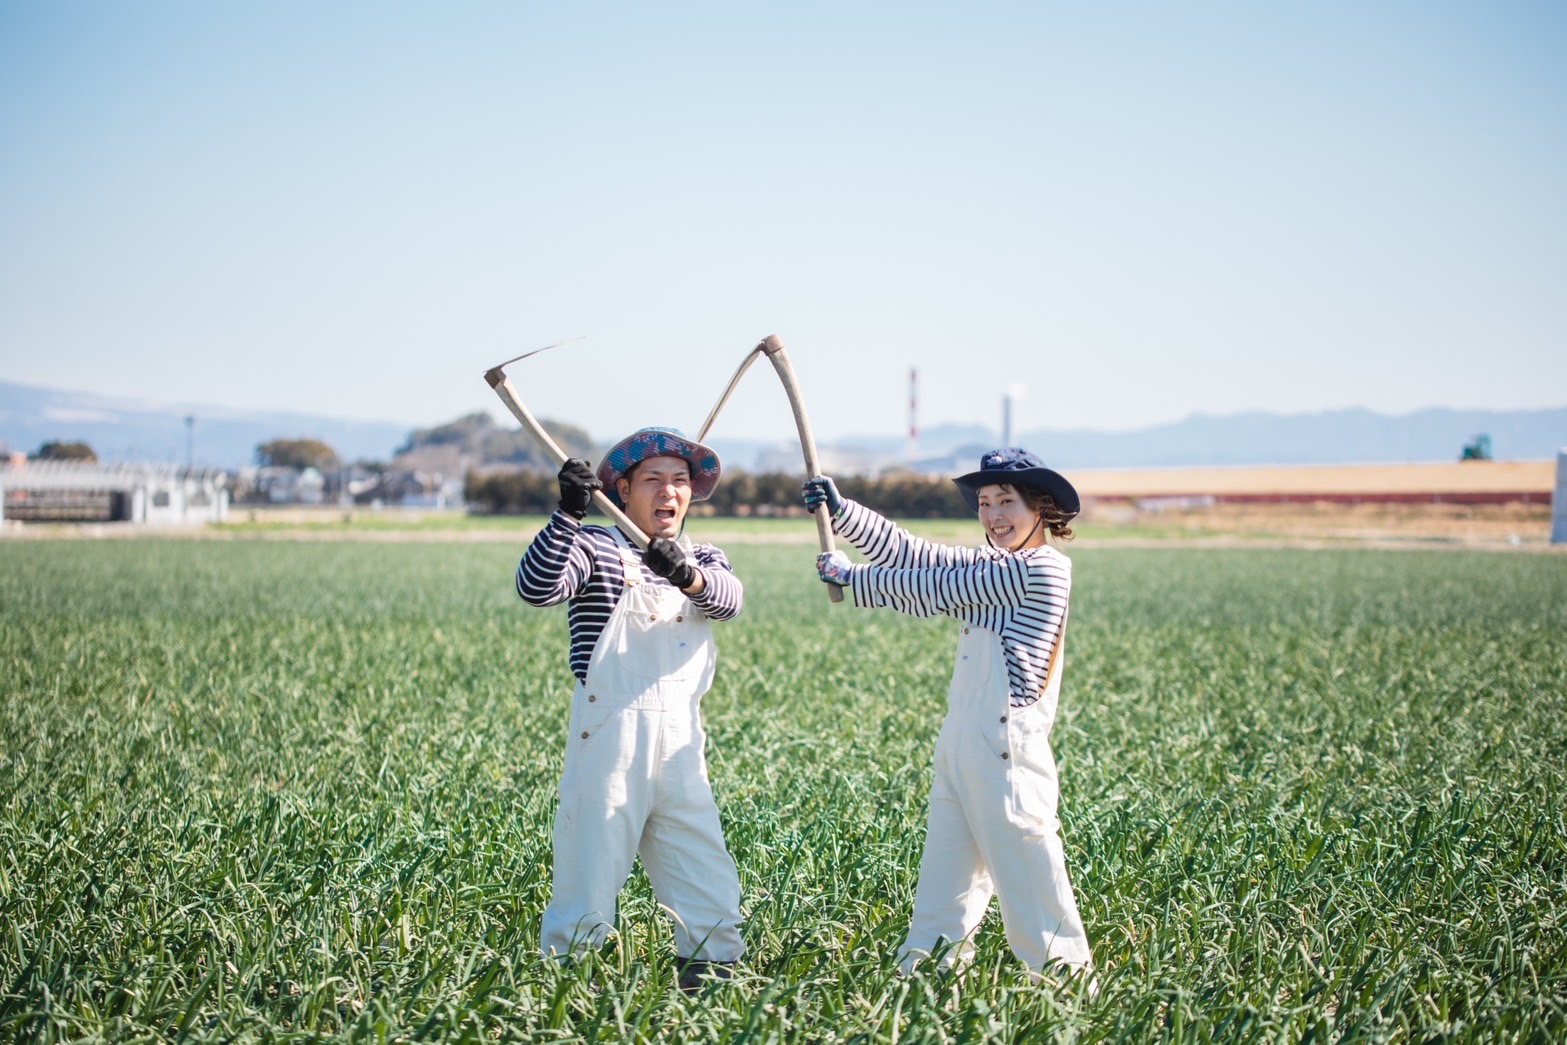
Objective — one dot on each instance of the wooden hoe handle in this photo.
(774, 350)
(498, 381)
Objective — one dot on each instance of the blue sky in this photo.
(1130, 213)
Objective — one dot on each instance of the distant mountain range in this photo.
(219, 437)
(120, 430)
(1332, 437)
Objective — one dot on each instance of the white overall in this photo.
(993, 826)
(635, 781)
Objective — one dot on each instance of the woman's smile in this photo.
(1007, 518)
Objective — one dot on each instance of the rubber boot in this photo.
(692, 971)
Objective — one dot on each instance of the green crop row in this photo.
(266, 790)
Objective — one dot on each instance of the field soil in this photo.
(1499, 526)
(1369, 480)
(1175, 504)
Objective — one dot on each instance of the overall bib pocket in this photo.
(670, 636)
(668, 633)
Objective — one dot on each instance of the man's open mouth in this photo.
(664, 514)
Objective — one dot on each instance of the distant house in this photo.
(787, 459)
(296, 486)
(396, 488)
(389, 488)
(76, 491)
(282, 484)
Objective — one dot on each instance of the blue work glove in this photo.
(665, 558)
(820, 490)
(577, 483)
(834, 567)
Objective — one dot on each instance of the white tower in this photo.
(1008, 401)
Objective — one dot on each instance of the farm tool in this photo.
(496, 376)
(769, 346)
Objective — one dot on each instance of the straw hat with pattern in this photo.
(660, 442)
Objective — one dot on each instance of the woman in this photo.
(992, 826)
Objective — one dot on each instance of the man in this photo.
(635, 780)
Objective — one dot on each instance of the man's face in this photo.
(656, 494)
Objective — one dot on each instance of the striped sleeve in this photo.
(556, 566)
(887, 544)
(1021, 597)
(945, 589)
(723, 596)
(569, 562)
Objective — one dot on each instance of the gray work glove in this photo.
(666, 558)
(820, 490)
(577, 483)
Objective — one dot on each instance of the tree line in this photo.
(902, 494)
(60, 450)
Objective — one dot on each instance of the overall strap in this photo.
(1055, 655)
(630, 563)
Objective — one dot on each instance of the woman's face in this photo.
(1008, 520)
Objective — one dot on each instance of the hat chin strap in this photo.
(1039, 520)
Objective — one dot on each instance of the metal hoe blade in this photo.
(496, 378)
(536, 351)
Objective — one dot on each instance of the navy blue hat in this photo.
(1016, 467)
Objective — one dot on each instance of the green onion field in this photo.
(266, 790)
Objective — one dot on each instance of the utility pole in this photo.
(190, 441)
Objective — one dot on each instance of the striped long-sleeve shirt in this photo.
(581, 565)
(1021, 596)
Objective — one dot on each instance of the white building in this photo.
(75, 491)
